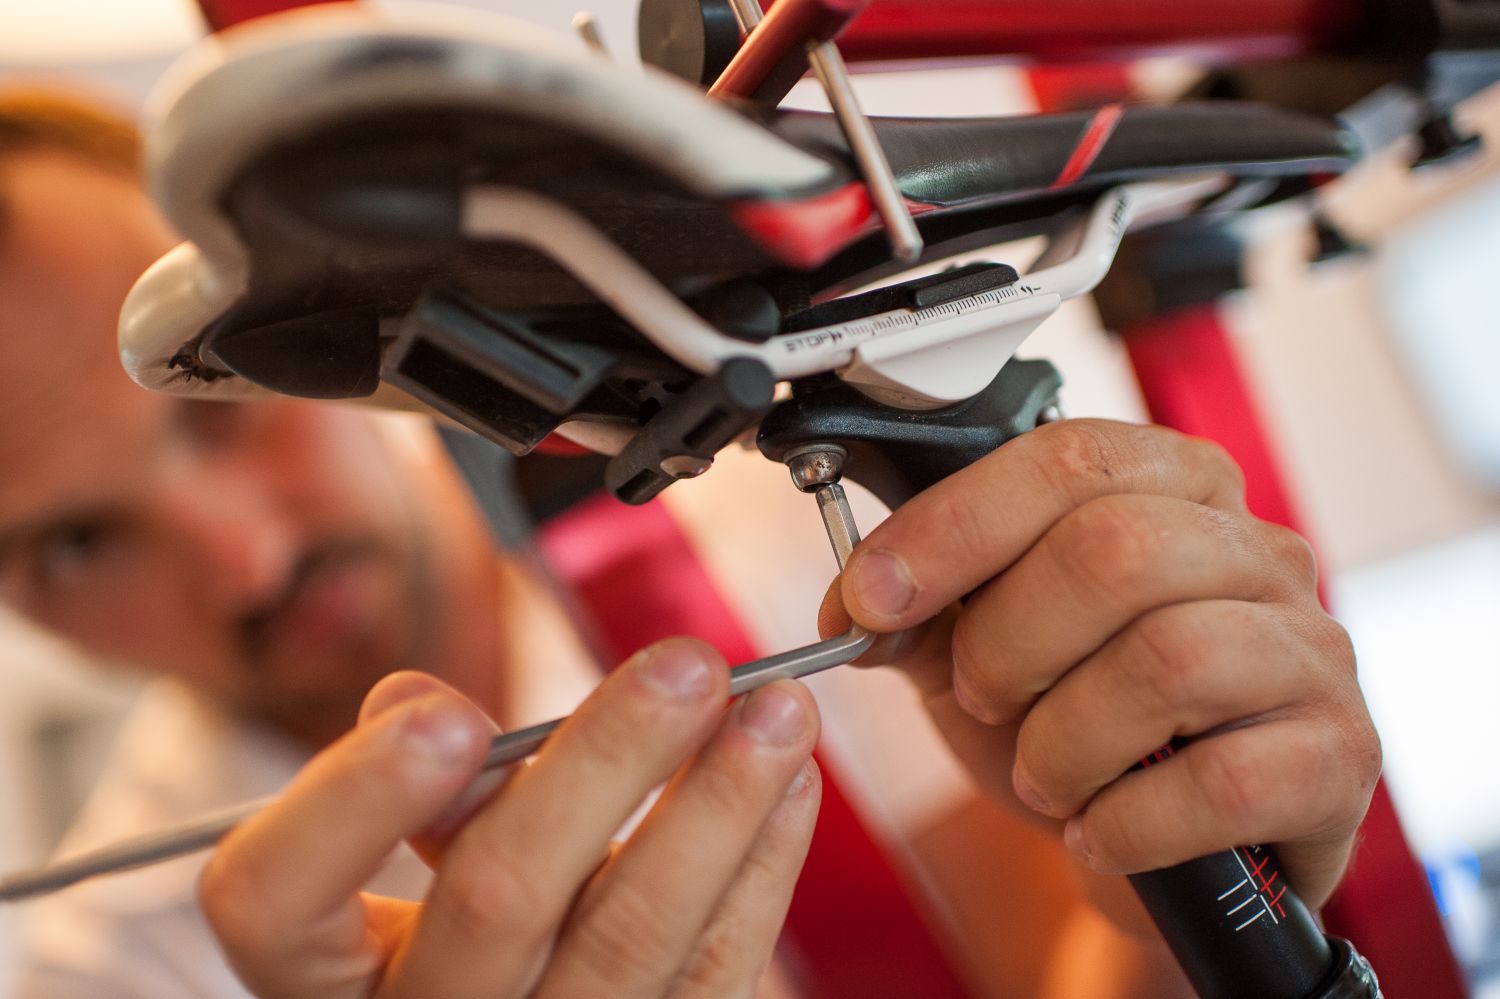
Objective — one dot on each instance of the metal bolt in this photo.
(685, 466)
(814, 465)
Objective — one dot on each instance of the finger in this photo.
(510, 875)
(734, 950)
(972, 525)
(636, 926)
(1095, 571)
(1183, 670)
(397, 688)
(1300, 785)
(429, 843)
(281, 891)
(922, 652)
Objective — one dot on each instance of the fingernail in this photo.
(963, 693)
(678, 670)
(1074, 840)
(772, 716)
(438, 728)
(883, 583)
(1028, 794)
(799, 783)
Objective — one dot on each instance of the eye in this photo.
(68, 552)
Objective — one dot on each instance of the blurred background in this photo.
(1378, 374)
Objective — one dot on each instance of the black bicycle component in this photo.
(330, 354)
(1253, 938)
(1332, 243)
(742, 309)
(1352, 976)
(918, 293)
(1235, 928)
(680, 441)
(490, 371)
(896, 453)
(1442, 141)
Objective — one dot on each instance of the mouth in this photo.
(337, 603)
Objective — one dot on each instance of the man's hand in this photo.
(528, 897)
(1120, 595)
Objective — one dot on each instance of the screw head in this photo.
(815, 465)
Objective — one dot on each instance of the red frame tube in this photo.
(221, 14)
(1088, 30)
(1054, 30)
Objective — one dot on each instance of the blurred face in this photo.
(271, 553)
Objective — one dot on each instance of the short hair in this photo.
(47, 119)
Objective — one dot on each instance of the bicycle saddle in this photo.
(526, 236)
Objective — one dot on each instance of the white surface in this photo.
(1427, 629)
(49, 32)
(39, 678)
(1438, 282)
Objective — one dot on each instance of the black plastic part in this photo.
(741, 309)
(896, 453)
(1441, 141)
(413, 194)
(1233, 927)
(320, 355)
(691, 39)
(919, 293)
(1352, 977)
(490, 371)
(681, 440)
(1332, 243)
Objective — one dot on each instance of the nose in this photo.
(236, 545)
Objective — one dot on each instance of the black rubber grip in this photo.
(1236, 928)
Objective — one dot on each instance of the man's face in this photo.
(271, 553)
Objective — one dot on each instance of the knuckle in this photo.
(1073, 456)
(1293, 552)
(1235, 786)
(621, 938)
(717, 960)
(1213, 456)
(1038, 760)
(1175, 655)
(972, 651)
(1332, 640)
(734, 786)
(1116, 841)
(486, 892)
(968, 525)
(1108, 544)
(1357, 759)
(976, 656)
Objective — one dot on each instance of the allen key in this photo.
(207, 830)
